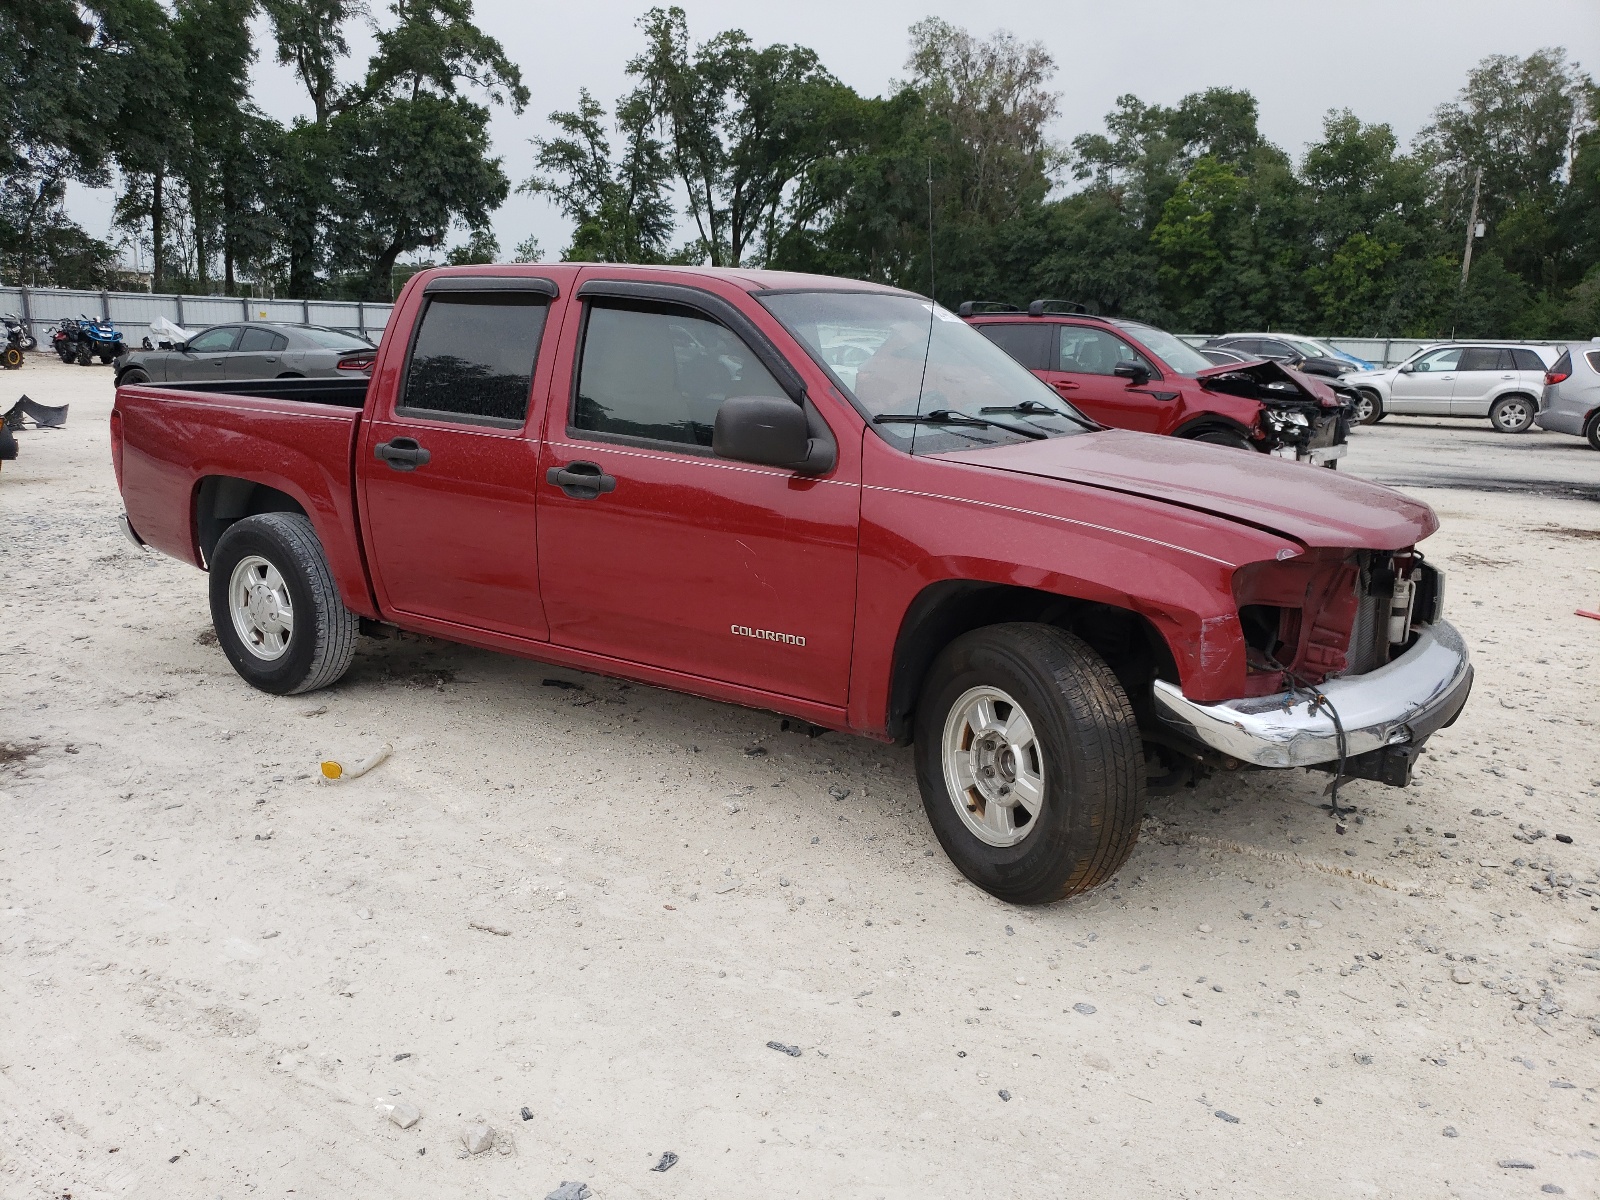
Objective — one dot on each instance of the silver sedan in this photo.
(252, 350)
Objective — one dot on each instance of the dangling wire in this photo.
(933, 301)
(1317, 699)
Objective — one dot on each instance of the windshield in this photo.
(1179, 355)
(875, 345)
(333, 339)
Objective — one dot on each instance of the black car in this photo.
(1302, 357)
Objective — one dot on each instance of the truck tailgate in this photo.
(172, 440)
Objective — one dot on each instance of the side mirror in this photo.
(1406, 368)
(181, 347)
(1137, 372)
(770, 430)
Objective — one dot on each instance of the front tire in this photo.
(1029, 762)
(11, 358)
(1368, 409)
(1512, 414)
(1222, 437)
(275, 608)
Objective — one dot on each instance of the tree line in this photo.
(730, 153)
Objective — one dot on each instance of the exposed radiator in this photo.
(1369, 640)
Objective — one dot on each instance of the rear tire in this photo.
(1369, 408)
(85, 357)
(1058, 732)
(275, 608)
(1512, 414)
(1592, 432)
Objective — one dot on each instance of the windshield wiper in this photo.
(1029, 408)
(948, 416)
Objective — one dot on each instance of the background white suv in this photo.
(1502, 383)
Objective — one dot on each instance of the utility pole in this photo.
(1472, 228)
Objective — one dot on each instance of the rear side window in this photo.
(474, 355)
(660, 372)
(261, 340)
(1527, 360)
(1594, 359)
(1482, 358)
(1031, 345)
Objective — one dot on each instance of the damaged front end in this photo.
(1303, 419)
(1351, 667)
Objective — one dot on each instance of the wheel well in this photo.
(222, 500)
(942, 612)
(1212, 424)
(1517, 395)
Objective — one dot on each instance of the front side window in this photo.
(215, 341)
(899, 355)
(1089, 351)
(1439, 360)
(474, 355)
(660, 372)
(1174, 352)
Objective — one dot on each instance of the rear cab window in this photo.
(473, 357)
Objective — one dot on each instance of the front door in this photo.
(655, 551)
(1085, 376)
(207, 356)
(1427, 386)
(449, 475)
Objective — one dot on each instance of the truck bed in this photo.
(295, 436)
(341, 393)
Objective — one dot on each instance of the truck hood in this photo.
(1311, 505)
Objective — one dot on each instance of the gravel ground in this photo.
(580, 912)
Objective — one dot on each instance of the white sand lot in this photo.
(211, 968)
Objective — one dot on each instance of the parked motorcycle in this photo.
(25, 339)
(64, 341)
(99, 339)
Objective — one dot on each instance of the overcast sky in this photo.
(1392, 61)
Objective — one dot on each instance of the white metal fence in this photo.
(132, 312)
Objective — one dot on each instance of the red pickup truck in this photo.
(820, 497)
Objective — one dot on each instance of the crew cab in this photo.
(820, 497)
(1131, 375)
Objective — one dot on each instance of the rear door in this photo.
(449, 475)
(258, 355)
(1031, 343)
(207, 355)
(1086, 361)
(1482, 372)
(1427, 387)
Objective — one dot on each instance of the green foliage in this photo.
(481, 247)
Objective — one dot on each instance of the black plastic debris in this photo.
(1226, 1116)
(1564, 838)
(791, 1051)
(570, 1190)
(667, 1162)
(402, 1056)
(44, 416)
(527, 1113)
(1005, 1095)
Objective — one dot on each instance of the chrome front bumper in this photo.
(1398, 704)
